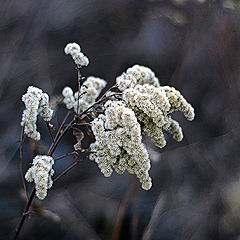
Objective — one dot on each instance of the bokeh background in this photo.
(193, 45)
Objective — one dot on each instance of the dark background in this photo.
(191, 45)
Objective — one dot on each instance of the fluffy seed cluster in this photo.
(145, 109)
(41, 173)
(119, 144)
(36, 102)
(75, 51)
(89, 91)
(152, 106)
(137, 75)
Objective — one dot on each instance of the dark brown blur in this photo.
(191, 45)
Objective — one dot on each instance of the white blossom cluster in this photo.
(144, 109)
(36, 102)
(137, 75)
(89, 91)
(41, 173)
(119, 144)
(75, 51)
(152, 106)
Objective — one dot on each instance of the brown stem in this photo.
(54, 145)
(60, 129)
(50, 152)
(21, 161)
(66, 170)
(24, 215)
(79, 85)
(66, 155)
(49, 130)
(99, 101)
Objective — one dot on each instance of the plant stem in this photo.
(24, 215)
(66, 170)
(50, 152)
(21, 161)
(66, 155)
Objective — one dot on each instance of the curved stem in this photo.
(24, 215)
(29, 202)
(21, 161)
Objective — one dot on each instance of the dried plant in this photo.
(136, 106)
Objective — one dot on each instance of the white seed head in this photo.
(40, 173)
(75, 51)
(36, 102)
(119, 144)
(137, 75)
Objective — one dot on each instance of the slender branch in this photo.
(66, 170)
(54, 145)
(66, 155)
(50, 152)
(114, 86)
(21, 161)
(99, 101)
(49, 130)
(60, 128)
(79, 85)
(24, 215)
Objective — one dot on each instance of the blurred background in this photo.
(193, 45)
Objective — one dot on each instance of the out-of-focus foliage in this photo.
(191, 45)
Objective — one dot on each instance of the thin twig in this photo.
(49, 130)
(79, 85)
(66, 155)
(54, 145)
(114, 86)
(24, 215)
(50, 152)
(61, 126)
(97, 102)
(66, 170)
(21, 161)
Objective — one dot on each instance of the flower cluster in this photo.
(75, 51)
(137, 75)
(41, 173)
(152, 106)
(89, 91)
(36, 102)
(144, 108)
(119, 143)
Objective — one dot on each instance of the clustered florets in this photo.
(89, 91)
(148, 106)
(137, 75)
(41, 173)
(36, 102)
(119, 143)
(152, 106)
(142, 107)
(75, 51)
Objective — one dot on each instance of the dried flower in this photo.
(41, 173)
(75, 51)
(36, 102)
(137, 75)
(144, 108)
(89, 91)
(152, 106)
(119, 143)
